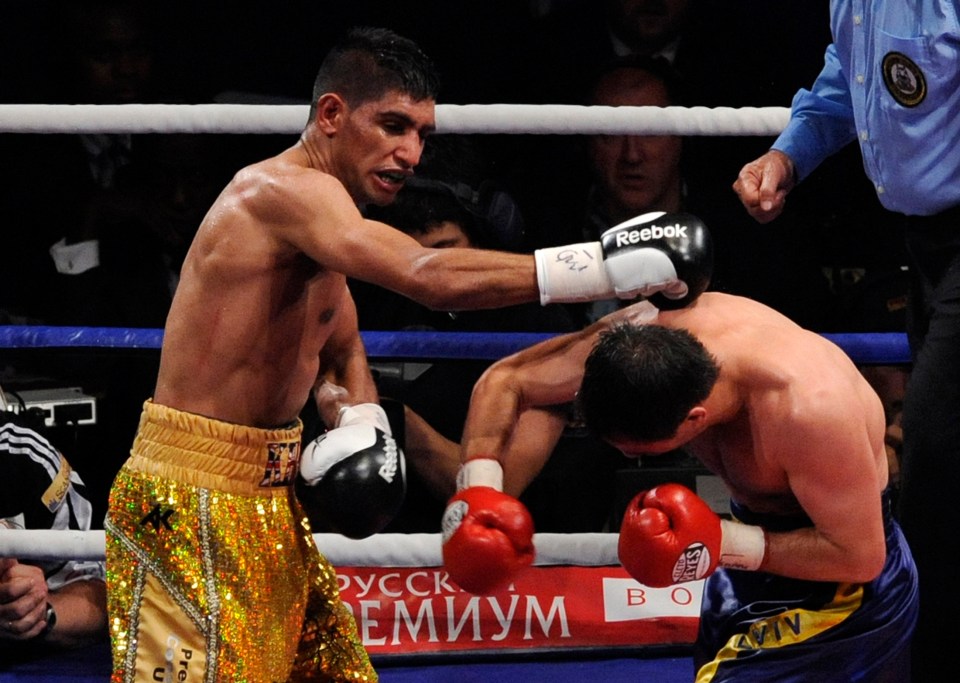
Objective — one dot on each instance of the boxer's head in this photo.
(641, 382)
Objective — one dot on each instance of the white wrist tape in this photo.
(364, 413)
(480, 472)
(572, 273)
(742, 546)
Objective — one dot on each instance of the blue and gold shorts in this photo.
(756, 626)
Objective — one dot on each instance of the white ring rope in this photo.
(451, 118)
(380, 550)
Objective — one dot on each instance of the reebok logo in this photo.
(654, 232)
(388, 470)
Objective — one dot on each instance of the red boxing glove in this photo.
(670, 535)
(487, 539)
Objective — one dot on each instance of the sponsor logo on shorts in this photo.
(904, 79)
(158, 518)
(283, 463)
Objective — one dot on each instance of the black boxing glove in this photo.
(665, 257)
(355, 474)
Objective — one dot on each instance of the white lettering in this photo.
(386, 591)
(556, 607)
(653, 232)
(364, 588)
(421, 584)
(480, 619)
(369, 623)
(472, 611)
(388, 469)
(442, 585)
(503, 619)
(411, 588)
(402, 616)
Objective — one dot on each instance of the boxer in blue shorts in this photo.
(810, 579)
(834, 631)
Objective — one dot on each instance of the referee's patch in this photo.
(904, 79)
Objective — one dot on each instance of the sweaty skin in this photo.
(790, 426)
(262, 312)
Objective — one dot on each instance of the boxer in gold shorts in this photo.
(207, 550)
(211, 570)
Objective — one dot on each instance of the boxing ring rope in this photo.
(865, 348)
(557, 119)
(381, 550)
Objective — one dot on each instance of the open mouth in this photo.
(396, 178)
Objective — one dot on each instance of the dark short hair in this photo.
(370, 62)
(640, 381)
(657, 67)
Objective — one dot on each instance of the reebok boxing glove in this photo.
(670, 535)
(355, 473)
(487, 535)
(667, 257)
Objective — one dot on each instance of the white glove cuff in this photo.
(364, 413)
(572, 273)
(480, 472)
(742, 546)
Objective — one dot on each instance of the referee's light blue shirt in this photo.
(891, 81)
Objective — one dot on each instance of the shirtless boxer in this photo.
(212, 571)
(811, 578)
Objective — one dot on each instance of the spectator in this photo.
(711, 44)
(44, 604)
(632, 175)
(122, 267)
(890, 81)
(102, 52)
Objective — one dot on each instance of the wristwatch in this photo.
(51, 617)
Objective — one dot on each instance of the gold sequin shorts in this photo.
(212, 572)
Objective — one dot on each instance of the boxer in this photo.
(812, 563)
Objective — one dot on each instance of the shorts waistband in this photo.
(210, 453)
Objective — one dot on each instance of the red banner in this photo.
(401, 610)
